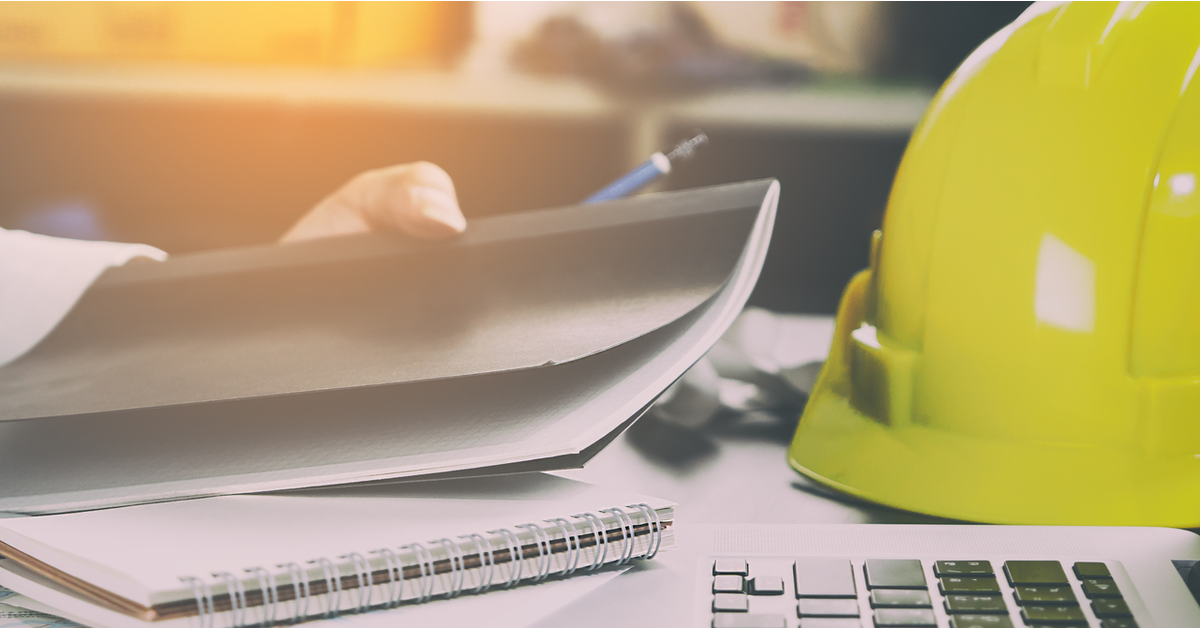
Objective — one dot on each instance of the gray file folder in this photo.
(525, 343)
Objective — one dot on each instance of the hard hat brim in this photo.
(901, 463)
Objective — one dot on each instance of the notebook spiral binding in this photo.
(355, 575)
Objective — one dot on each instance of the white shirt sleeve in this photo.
(41, 278)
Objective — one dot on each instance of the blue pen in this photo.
(648, 171)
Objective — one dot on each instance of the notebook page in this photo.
(140, 552)
(509, 608)
(502, 608)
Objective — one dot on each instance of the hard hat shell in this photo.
(1025, 346)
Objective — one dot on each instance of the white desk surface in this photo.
(736, 473)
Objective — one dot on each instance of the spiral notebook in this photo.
(278, 558)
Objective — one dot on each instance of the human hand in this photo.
(417, 198)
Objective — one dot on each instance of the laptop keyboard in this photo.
(897, 593)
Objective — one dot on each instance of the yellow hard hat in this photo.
(1025, 346)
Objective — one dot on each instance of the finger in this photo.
(417, 198)
(332, 217)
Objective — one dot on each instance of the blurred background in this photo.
(195, 125)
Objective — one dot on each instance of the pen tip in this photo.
(687, 148)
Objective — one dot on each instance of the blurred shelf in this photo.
(871, 110)
(390, 89)
(191, 157)
(856, 109)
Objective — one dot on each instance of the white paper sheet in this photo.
(15, 612)
(41, 278)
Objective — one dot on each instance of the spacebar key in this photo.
(824, 577)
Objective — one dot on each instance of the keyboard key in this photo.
(1087, 570)
(730, 602)
(905, 618)
(894, 574)
(730, 566)
(766, 585)
(1118, 623)
(948, 585)
(1111, 608)
(729, 584)
(827, 608)
(1053, 616)
(896, 598)
(975, 604)
(829, 622)
(1045, 595)
(1035, 573)
(980, 621)
(744, 620)
(970, 568)
(824, 577)
(1100, 587)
